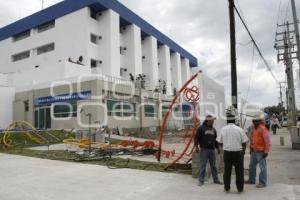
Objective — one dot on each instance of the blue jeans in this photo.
(257, 158)
(205, 155)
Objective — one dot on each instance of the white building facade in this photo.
(90, 37)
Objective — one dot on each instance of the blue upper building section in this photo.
(68, 6)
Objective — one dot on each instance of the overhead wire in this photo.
(286, 11)
(251, 73)
(279, 11)
(242, 13)
(244, 44)
(256, 46)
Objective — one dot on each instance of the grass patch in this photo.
(112, 163)
(21, 141)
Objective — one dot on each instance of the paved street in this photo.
(24, 178)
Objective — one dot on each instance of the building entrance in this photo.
(42, 118)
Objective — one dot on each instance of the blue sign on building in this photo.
(62, 98)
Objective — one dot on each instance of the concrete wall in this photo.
(212, 101)
(176, 71)
(150, 61)
(185, 70)
(164, 68)
(131, 57)
(58, 72)
(70, 41)
(98, 113)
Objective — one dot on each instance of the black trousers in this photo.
(235, 159)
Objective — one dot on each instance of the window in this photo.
(149, 110)
(121, 108)
(26, 106)
(64, 111)
(20, 56)
(94, 38)
(46, 26)
(117, 95)
(21, 36)
(45, 48)
(93, 63)
(123, 50)
(95, 14)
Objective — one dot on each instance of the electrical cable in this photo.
(286, 11)
(279, 11)
(251, 73)
(242, 13)
(256, 46)
(244, 44)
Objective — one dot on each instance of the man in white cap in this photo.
(259, 150)
(233, 139)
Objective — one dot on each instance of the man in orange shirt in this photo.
(259, 150)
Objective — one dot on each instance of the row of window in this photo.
(39, 50)
(40, 28)
(63, 111)
(126, 109)
(120, 108)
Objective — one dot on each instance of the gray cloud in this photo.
(202, 28)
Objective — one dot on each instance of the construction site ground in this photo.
(40, 179)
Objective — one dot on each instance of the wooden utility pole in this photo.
(282, 110)
(285, 46)
(296, 29)
(234, 95)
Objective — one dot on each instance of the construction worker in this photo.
(259, 150)
(206, 139)
(234, 140)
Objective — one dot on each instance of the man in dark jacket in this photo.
(206, 139)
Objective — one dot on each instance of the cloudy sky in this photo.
(202, 27)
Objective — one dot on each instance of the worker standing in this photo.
(274, 124)
(206, 138)
(233, 139)
(259, 150)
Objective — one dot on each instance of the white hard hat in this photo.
(258, 117)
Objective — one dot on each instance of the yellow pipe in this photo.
(6, 138)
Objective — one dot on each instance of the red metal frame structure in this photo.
(190, 94)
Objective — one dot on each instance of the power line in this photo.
(251, 73)
(256, 46)
(279, 11)
(242, 13)
(286, 11)
(244, 44)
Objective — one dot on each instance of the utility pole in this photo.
(296, 28)
(290, 75)
(282, 110)
(286, 50)
(287, 99)
(234, 96)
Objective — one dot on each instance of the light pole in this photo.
(90, 132)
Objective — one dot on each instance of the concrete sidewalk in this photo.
(24, 178)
